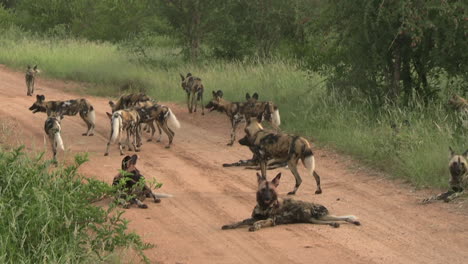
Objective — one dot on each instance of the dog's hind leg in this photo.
(292, 164)
(346, 218)
(170, 134)
(248, 221)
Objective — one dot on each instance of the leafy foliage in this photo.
(48, 216)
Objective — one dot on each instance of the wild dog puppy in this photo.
(194, 88)
(130, 100)
(267, 145)
(134, 184)
(238, 111)
(52, 128)
(164, 119)
(271, 211)
(458, 167)
(70, 108)
(127, 120)
(30, 77)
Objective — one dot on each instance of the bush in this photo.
(48, 215)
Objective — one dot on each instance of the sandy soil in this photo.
(186, 228)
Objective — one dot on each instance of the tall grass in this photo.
(48, 216)
(415, 149)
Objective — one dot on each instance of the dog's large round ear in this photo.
(182, 77)
(41, 97)
(276, 180)
(125, 162)
(188, 74)
(29, 67)
(452, 153)
(247, 96)
(260, 178)
(219, 93)
(134, 159)
(111, 103)
(35, 67)
(465, 154)
(255, 96)
(109, 115)
(214, 93)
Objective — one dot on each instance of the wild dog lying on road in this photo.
(30, 77)
(133, 184)
(194, 88)
(52, 128)
(164, 119)
(267, 145)
(127, 120)
(70, 108)
(237, 112)
(271, 211)
(458, 167)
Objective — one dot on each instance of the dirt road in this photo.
(186, 228)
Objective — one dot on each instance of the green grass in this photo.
(47, 216)
(418, 153)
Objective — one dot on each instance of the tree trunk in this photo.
(195, 34)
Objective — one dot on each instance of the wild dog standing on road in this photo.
(194, 88)
(458, 167)
(30, 78)
(70, 108)
(127, 120)
(267, 145)
(52, 128)
(271, 211)
(164, 119)
(129, 100)
(237, 112)
(134, 184)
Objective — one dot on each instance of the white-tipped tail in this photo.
(92, 116)
(338, 217)
(276, 120)
(116, 125)
(59, 141)
(163, 195)
(309, 163)
(172, 120)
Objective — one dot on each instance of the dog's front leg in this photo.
(262, 223)
(248, 221)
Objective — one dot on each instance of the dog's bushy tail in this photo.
(172, 120)
(116, 125)
(58, 140)
(163, 195)
(276, 120)
(92, 115)
(309, 163)
(347, 218)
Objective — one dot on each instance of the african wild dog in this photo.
(460, 105)
(129, 100)
(30, 77)
(52, 128)
(268, 145)
(458, 167)
(194, 88)
(132, 183)
(271, 211)
(70, 108)
(127, 120)
(238, 111)
(164, 119)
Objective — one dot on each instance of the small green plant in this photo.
(48, 215)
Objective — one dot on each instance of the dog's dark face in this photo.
(215, 103)
(266, 192)
(458, 164)
(38, 106)
(253, 126)
(129, 162)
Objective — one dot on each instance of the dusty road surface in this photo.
(186, 228)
